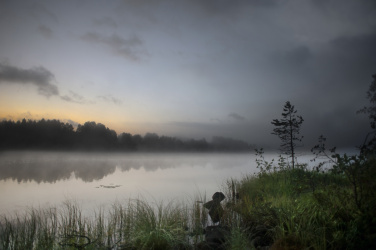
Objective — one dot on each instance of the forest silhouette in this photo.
(92, 136)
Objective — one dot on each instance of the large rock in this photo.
(215, 238)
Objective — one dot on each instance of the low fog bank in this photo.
(48, 166)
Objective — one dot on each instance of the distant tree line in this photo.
(56, 135)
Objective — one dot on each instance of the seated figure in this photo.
(214, 206)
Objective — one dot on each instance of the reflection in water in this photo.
(51, 166)
(96, 179)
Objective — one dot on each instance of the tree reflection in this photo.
(53, 166)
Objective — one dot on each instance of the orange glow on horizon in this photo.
(116, 125)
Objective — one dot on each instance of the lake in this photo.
(94, 179)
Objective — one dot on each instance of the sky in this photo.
(191, 68)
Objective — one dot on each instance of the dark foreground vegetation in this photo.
(56, 135)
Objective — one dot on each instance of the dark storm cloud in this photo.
(356, 52)
(291, 62)
(109, 98)
(343, 68)
(237, 117)
(38, 76)
(341, 126)
(45, 31)
(128, 48)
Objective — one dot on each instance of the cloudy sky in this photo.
(191, 68)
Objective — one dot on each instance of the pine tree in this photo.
(288, 130)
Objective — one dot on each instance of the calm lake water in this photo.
(94, 179)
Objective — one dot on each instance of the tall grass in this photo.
(198, 218)
(306, 209)
(35, 229)
(161, 228)
(137, 225)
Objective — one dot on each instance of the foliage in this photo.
(322, 153)
(95, 136)
(301, 208)
(369, 145)
(92, 136)
(30, 134)
(288, 129)
(371, 110)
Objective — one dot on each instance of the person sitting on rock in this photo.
(215, 209)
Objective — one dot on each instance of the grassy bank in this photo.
(278, 208)
(309, 209)
(135, 225)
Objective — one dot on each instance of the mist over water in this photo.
(95, 179)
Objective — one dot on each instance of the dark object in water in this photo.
(214, 206)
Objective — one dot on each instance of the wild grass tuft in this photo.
(136, 225)
(160, 227)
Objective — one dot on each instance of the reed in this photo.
(137, 225)
(197, 218)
